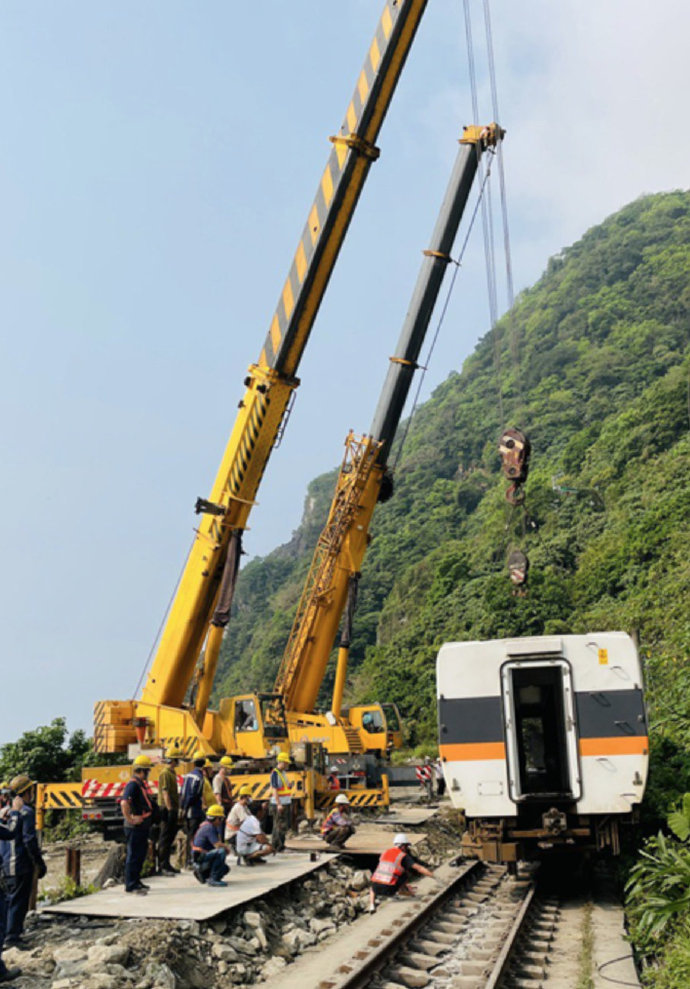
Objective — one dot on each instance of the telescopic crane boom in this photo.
(363, 480)
(194, 628)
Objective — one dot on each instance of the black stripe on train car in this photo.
(463, 720)
(598, 714)
(610, 713)
(262, 791)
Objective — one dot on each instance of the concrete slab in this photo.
(183, 898)
(363, 842)
(402, 816)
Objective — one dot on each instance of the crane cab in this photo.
(255, 722)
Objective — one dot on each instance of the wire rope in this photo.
(510, 285)
(486, 225)
(161, 626)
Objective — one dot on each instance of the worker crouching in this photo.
(338, 826)
(394, 871)
(209, 851)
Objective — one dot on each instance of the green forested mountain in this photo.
(595, 366)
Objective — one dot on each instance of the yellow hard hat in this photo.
(283, 757)
(245, 791)
(226, 761)
(215, 810)
(21, 783)
(142, 762)
(173, 753)
(198, 755)
(208, 764)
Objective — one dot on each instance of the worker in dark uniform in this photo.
(209, 851)
(394, 871)
(169, 804)
(138, 811)
(21, 858)
(6, 974)
(191, 799)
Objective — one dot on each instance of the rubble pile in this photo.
(242, 946)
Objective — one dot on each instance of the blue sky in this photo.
(157, 164)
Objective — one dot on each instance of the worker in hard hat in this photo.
(394, 870)
(191, 798)
(281, 801)
(21, 857)
(338, 826)
(138, 808)
(252, 844)
(169, 803)
(209, 851)
(208, 798)
(239, 813)
(222, 787)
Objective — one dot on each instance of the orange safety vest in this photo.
(328, 823)
(389, 869)
(285, 790)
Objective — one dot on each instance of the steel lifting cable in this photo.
(510, 287)
(488, 240)
(457, 263)
(161, 626)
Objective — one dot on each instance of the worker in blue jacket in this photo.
(209, 851)
(6, 974)
(21, 858)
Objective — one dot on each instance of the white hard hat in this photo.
(342, 799)
(401, 839)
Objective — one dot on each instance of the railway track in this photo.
(484, 930)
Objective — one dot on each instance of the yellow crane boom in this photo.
(201, 606)
(342, 545)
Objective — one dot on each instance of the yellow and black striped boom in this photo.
(196, 619)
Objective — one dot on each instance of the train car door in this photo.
(541, 736)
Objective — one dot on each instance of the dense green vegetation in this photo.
(595, 366)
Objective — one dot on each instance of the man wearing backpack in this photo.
(191, 799)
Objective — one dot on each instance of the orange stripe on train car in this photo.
(473, 750)
(627, 745)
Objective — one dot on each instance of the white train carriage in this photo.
(543, 741)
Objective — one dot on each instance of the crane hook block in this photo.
(518, 567)
(515, 449)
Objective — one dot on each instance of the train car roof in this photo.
(599, 660)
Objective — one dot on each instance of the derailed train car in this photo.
(543, 742)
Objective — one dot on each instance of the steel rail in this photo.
(501, 965)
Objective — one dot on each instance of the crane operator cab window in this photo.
(392, 719)
(245, 716)
(372, 721)
(540, 731)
